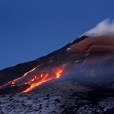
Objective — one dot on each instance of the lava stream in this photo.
(15, 80)
(43, 77)
(35, 77)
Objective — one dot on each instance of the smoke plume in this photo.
(103, 28)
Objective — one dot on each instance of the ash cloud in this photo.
(105, 27)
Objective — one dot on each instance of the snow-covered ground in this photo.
(58, 98)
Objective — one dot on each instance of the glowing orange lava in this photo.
(58, 73)
(43, 77)
(14, 81)
(34, 79)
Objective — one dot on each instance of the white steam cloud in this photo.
(103, 28)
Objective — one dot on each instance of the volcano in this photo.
(87, 59)
(76, 79)
(26, 76)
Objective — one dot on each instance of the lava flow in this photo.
(15, 80)
(42, 77)
(35, 77)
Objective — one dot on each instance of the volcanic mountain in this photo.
(76, 79)
(89, 59)
(26, 76)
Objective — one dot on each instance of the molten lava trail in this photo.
(36, 77)
(43, 77)
(15, 80)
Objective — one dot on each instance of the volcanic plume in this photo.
(89, 59)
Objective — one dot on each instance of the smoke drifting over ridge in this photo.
(105, 27)
(100, 38)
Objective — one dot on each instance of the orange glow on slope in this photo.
(59, 73)
(14, 81)
(43, 77)
(34, 79)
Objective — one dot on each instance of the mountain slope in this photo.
(76, 79)
(88, 59)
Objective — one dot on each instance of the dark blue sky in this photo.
(33, 28)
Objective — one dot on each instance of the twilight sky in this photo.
(32, 28)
